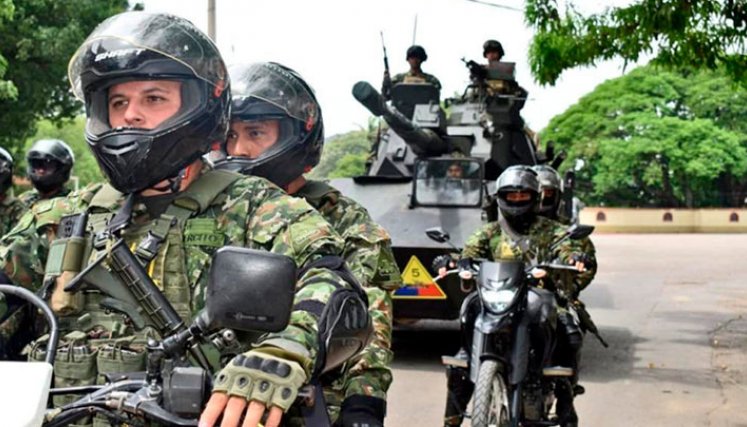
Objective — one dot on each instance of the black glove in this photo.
(465, 264)
(589, 262)
(362, 411)
(442, 261)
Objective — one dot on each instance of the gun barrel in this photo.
(141, 286)
(424, 142)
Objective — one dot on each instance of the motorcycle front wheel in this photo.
(490, 408)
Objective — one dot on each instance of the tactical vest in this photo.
(176, 249)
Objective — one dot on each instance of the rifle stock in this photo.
(585, 319)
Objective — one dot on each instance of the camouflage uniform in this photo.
(410, 77)
(249, 212)
(11, 210)
(369, 255)
(491, 243)
(28, 198)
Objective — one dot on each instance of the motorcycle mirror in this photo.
(250, 290)
(437, 234)
(581, 231)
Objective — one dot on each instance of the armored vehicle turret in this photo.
(435, 166)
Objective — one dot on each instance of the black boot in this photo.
(362, 411)
(564, 407)
(459, 391)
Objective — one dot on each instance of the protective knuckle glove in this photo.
(263, 378)
(441, 261)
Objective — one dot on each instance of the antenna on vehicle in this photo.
(415, 29)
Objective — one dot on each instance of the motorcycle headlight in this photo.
(497, 300)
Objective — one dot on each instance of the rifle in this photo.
(133, 293)
(569, 185)
(585, 319)
(386, 85)
(477, 72)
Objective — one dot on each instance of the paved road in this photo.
(672, 308)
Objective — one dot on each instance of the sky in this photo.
(335, 43)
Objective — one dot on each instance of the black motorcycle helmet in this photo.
(136, 46)
(518, 178)
(48, 164)
(416, 51)
(270, 91)
(6, 170)
(492, 46)
(551, 186)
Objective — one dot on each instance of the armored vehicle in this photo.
(435, 166)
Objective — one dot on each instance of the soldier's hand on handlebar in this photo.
(465, 269)
(255, 380)
(442, 264)
(581, 261)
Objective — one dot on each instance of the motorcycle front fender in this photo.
(489, 323)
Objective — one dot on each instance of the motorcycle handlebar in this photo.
(104, 397)
(32, 298)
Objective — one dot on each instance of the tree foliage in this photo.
(37, 39)
(680, 34)
(658, 138)
(345, 155)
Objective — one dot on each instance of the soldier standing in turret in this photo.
(415, 57)
(492, 50)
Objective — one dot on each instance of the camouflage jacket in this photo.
(250, 212)
(492, 243)
(28, 198)
(368, 247)
(11, 210)
(410, 77)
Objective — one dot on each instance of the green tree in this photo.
(37, 39)
(349, 165)
(680, 34)
(72, 132)
(658, 138)
(344, 155)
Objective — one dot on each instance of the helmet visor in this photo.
(275, 86)
(5, 168)
(43, 166)
(126, 43)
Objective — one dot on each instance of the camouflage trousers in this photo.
(368, 374)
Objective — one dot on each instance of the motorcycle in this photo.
(509, 326)
(177, 381)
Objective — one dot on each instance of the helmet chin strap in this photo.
(174, 184)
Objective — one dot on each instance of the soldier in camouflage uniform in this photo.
(157, 98)
(415, 57)
(269, 138)
(10, 207)
(519, 233)
(48, 166)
